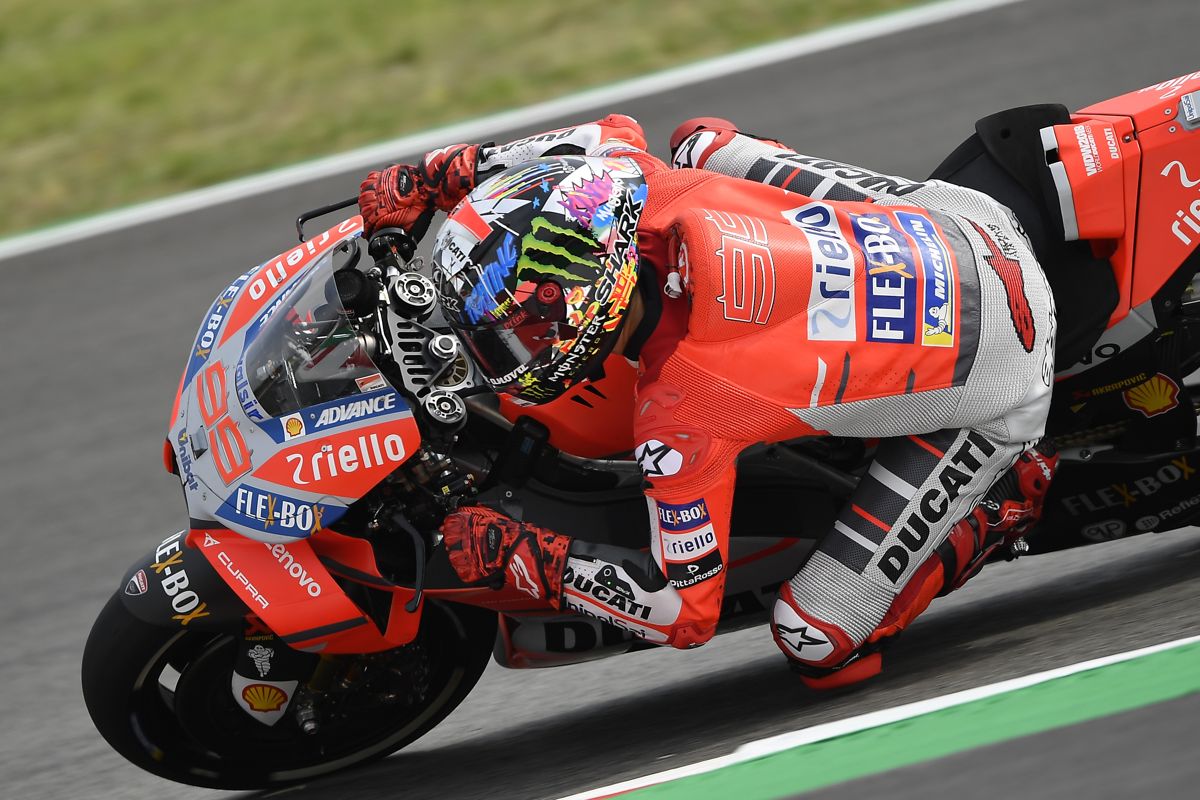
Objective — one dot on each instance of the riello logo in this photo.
(1186, 226)
(345, 464)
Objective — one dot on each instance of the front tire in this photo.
(161, 697)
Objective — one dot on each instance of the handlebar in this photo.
(386, 241)
(322, 211)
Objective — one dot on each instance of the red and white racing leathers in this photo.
(819, 298)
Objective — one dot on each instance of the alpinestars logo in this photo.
(802, 640)
(657, 459)
(1008, 270)
(801, 637)
(522, 579)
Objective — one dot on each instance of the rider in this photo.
(764, 295)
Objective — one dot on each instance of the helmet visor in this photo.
(504, 354)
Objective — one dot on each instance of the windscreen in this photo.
(309, 351)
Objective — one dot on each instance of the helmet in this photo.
(535, 269)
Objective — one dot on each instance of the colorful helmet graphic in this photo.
(536, 267)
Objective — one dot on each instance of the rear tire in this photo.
(132, 671)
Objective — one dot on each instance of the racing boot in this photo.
(825, 655)
(695, 139)
(1010, 509)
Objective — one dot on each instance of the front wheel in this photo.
(162, 699)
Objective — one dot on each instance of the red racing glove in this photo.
(406, 196)
(483, 544)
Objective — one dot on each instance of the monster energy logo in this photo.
(549, 249)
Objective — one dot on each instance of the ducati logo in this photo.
(137, 584)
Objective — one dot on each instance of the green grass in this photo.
(108, 102)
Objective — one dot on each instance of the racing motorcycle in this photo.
(307, 619)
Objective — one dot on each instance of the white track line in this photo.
(829, 730)
(487, 127)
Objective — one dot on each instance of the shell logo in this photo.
(1156, 396)
(293, 427)
(264, 697)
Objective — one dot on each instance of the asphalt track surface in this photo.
(95, 334)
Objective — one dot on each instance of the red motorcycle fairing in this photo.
(291, 587)
(214, 578)
(232, 311)
(296, 589)
(1127, 172)
(332, 425)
